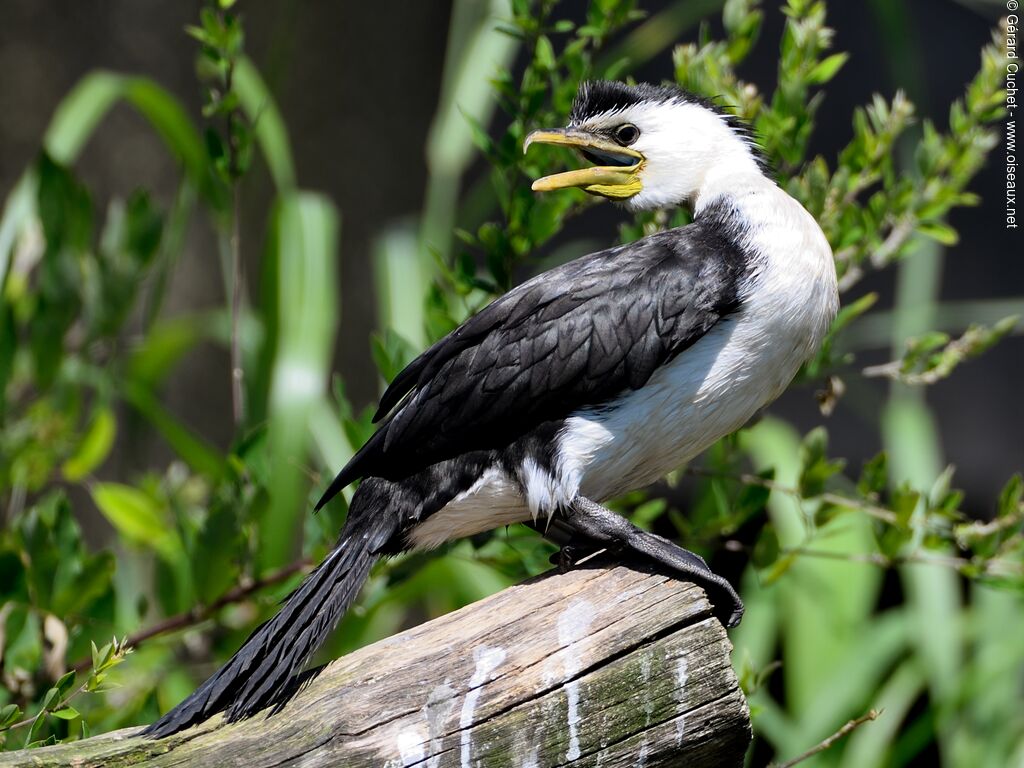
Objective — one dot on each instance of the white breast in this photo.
(718, 384)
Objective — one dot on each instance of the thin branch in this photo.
(91, 685)
(872, 510)
(237, 372)
(854, 273)
(235, 173)
(897, 236)
(822, 746)
(992, 567)
(979, 529)
(200, 613)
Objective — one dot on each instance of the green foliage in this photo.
(85, 348)
(540, 96)
(207, 545)
(221, 38)
(933, 357)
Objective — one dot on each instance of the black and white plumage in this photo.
(592, 379)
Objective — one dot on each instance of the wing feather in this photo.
(575, 336)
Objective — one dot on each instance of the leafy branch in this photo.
(57, 700)
(220, 35)
(913, 527)
(932, 357)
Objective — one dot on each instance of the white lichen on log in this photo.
(603, 666)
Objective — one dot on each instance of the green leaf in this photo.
(545, 54)
(216, 553)
(9, 714)
(65, 683)
(827, 69)
(88, 584)
(943, 233)
(753, 498)
(94, 447)
(32, 740)
(66, 713)
(391, 353)
(199, 34)
(268, 125)
(817, 468)
(51, 698)
(1011, 497)
(875, 476)
(851, 312)
(136, 516)
(646, 514)
(8, 344)
(766, 550)
(163, 347)
(65, 208)
(777, 569)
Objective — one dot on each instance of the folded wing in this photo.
(572, 337)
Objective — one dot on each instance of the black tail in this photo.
(259, 674)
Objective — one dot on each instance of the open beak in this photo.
(615, 173)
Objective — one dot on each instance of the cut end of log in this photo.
(604, 666)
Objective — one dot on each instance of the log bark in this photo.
(603, 666)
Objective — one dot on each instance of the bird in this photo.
(592, 379)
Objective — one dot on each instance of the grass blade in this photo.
(73, 124)
(268, 125)
(302, 264)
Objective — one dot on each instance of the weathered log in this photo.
(602, 666)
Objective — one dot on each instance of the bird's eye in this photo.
(626, 134)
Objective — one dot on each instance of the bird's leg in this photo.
(573, 547)
(602, 525)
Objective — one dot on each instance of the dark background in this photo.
(358, 83)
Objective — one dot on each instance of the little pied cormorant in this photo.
(592, 379)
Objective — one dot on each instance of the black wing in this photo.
(574, 336)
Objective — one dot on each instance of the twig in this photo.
(897, 236)
(979, 529)
(237, 372)
(872, 510)
(119, 651)
(235, 173)
(992, 567)
(202, 612)
(821, 747)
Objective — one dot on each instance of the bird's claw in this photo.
(573, 554)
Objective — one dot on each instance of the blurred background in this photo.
(133, 504)
(359, 86)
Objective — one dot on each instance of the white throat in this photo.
(688, 148)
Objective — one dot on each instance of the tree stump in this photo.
(603, 666)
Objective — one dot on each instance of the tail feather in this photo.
(258, 675)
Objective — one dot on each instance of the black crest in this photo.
(596, 97)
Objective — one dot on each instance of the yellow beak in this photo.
(617, 181)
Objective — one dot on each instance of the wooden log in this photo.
(603, 666)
